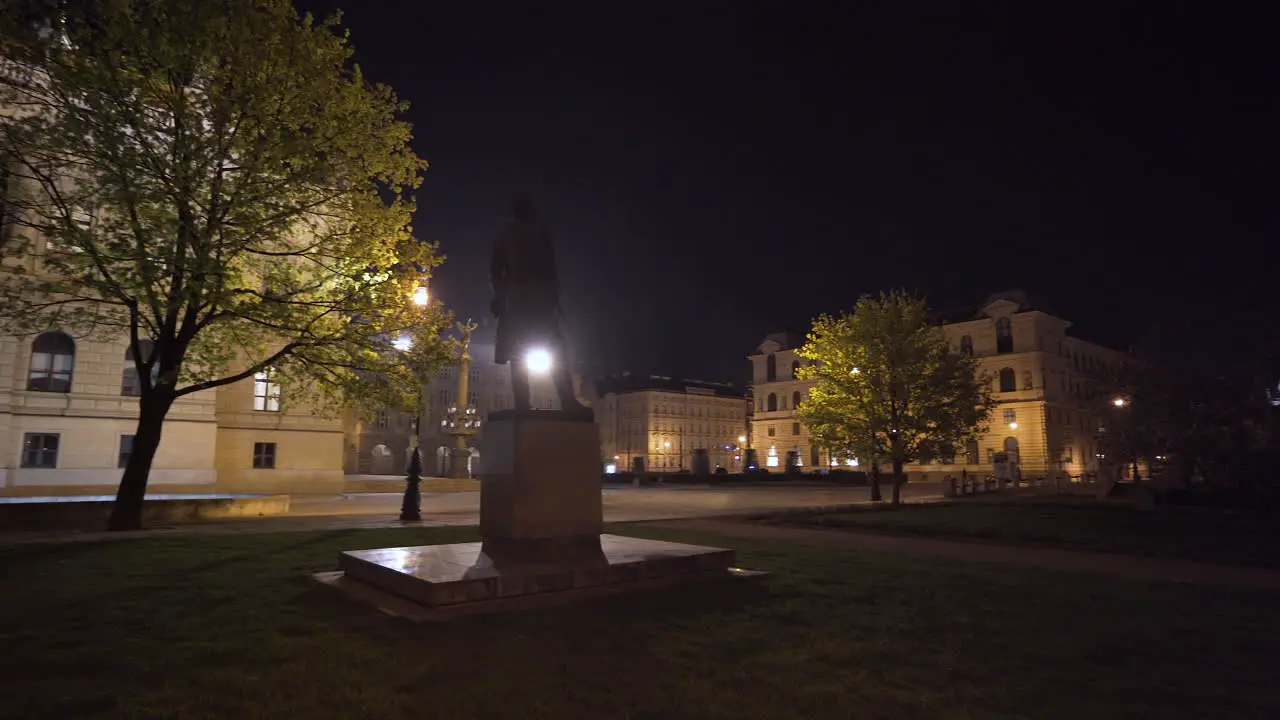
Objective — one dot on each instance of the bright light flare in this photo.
(538, 361)
(420, 296)
(1013, 426)
(402, 343)
(1119, 402)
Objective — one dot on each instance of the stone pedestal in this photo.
(541, 479)
(541, 520)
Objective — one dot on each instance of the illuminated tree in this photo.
(218, 182)
(888, 386)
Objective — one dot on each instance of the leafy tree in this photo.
(218, 182)
(889, 386)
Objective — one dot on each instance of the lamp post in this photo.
(463, 420)
(411, 504)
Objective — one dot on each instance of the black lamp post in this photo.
(411, 506)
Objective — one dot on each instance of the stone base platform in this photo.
(438, 581)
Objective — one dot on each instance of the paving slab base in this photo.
(440, 581)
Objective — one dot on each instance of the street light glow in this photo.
(854, 371)
(402, 343)
(420, 296)
(1119, 402)
(742, 438)
(538, 361)
(1013, 426)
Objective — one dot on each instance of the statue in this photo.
(526, 302)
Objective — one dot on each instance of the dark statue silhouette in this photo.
(526, 302)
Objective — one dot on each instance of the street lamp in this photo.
(1119, 402)
(411, 504)
(421, 296)
(538, 361)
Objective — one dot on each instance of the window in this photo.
(966, 345)
(380, 418)
(1008, 383)
(129, 383)
(795, 369)
(773, 402)
(1011, 445)
(473, 398)
(771, 460)
(474, 376)
(446, 374)
(795, 428)
(771, 368)
(443, 398)
(53, 355)
(1010, 416)
(971, 452)
(126, 451)
(772, 431)
(1027, 382)
(795, 399)
(264, 455)
(40, 450)
(266, 391)
(1004, 335)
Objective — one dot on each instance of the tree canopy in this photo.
(888, 386)
(220, 183)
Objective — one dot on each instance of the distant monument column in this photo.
(463, 421)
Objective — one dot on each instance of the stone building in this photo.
(70, 408)
(660, 424)
(1045, 382)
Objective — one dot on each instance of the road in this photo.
(621, 504)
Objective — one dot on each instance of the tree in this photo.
(221, 184)
(889, 386)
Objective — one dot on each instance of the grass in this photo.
(1192, 533)
(232, 627)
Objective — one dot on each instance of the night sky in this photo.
(716, 171)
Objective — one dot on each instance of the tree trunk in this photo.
(897, 481)
(126, 514)
(875, 482)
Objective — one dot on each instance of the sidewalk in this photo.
(1130, 567)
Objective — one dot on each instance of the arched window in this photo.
(1011, 446)
(1008, 381)
(771, 368)
(1004, 335)
(795, 399)
(53, 355)
(772, 404)
(795, 369)
(966, 345)
(129, 383)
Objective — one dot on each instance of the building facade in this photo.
(70, 408)
(660, 424)
(1044, 380)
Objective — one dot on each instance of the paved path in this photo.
(381, 510)
(1130, 567)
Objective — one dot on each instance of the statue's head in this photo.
(524, 209)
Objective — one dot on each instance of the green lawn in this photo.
(232, 627)
(1206, 534)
